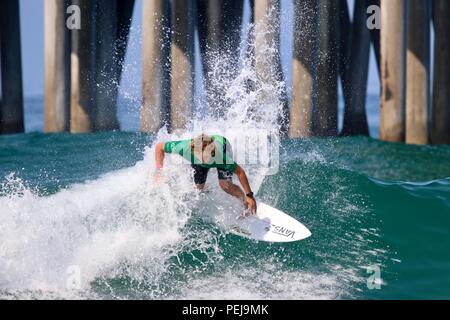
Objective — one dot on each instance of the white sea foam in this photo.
(264, 281)
(95, 226)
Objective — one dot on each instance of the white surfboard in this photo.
(269, 224)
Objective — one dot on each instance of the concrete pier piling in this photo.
(83, 66)
(393, 67)
(82, 61)
(375, 34)
(124, 16)
(355, 119)
(155, 65)
(304, 67)
(85, 56)
(57, 67)
(250, 50)
(106, 71)
(441, 83)
(219, 29)
(418, 72)
(11, 112)
(267, 55)
(325, 119)
(182, 63)
(344, 43)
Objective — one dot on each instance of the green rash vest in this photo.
(221, 160)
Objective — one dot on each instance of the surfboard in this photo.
(269, 224)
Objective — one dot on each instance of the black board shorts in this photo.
(201, 173)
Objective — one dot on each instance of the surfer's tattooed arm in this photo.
(251, 202)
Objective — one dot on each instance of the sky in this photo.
(32, 39)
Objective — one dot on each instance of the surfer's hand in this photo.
(251, 204)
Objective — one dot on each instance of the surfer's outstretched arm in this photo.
(159, 155)
(159, 161)
(247, 190)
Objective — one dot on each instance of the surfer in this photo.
(205, 152)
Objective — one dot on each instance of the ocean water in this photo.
(86, 202)
(81, 216)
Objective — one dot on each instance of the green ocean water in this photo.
(379, 214)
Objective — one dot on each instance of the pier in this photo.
(331, 48)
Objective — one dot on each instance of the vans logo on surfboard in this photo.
(282, 231)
